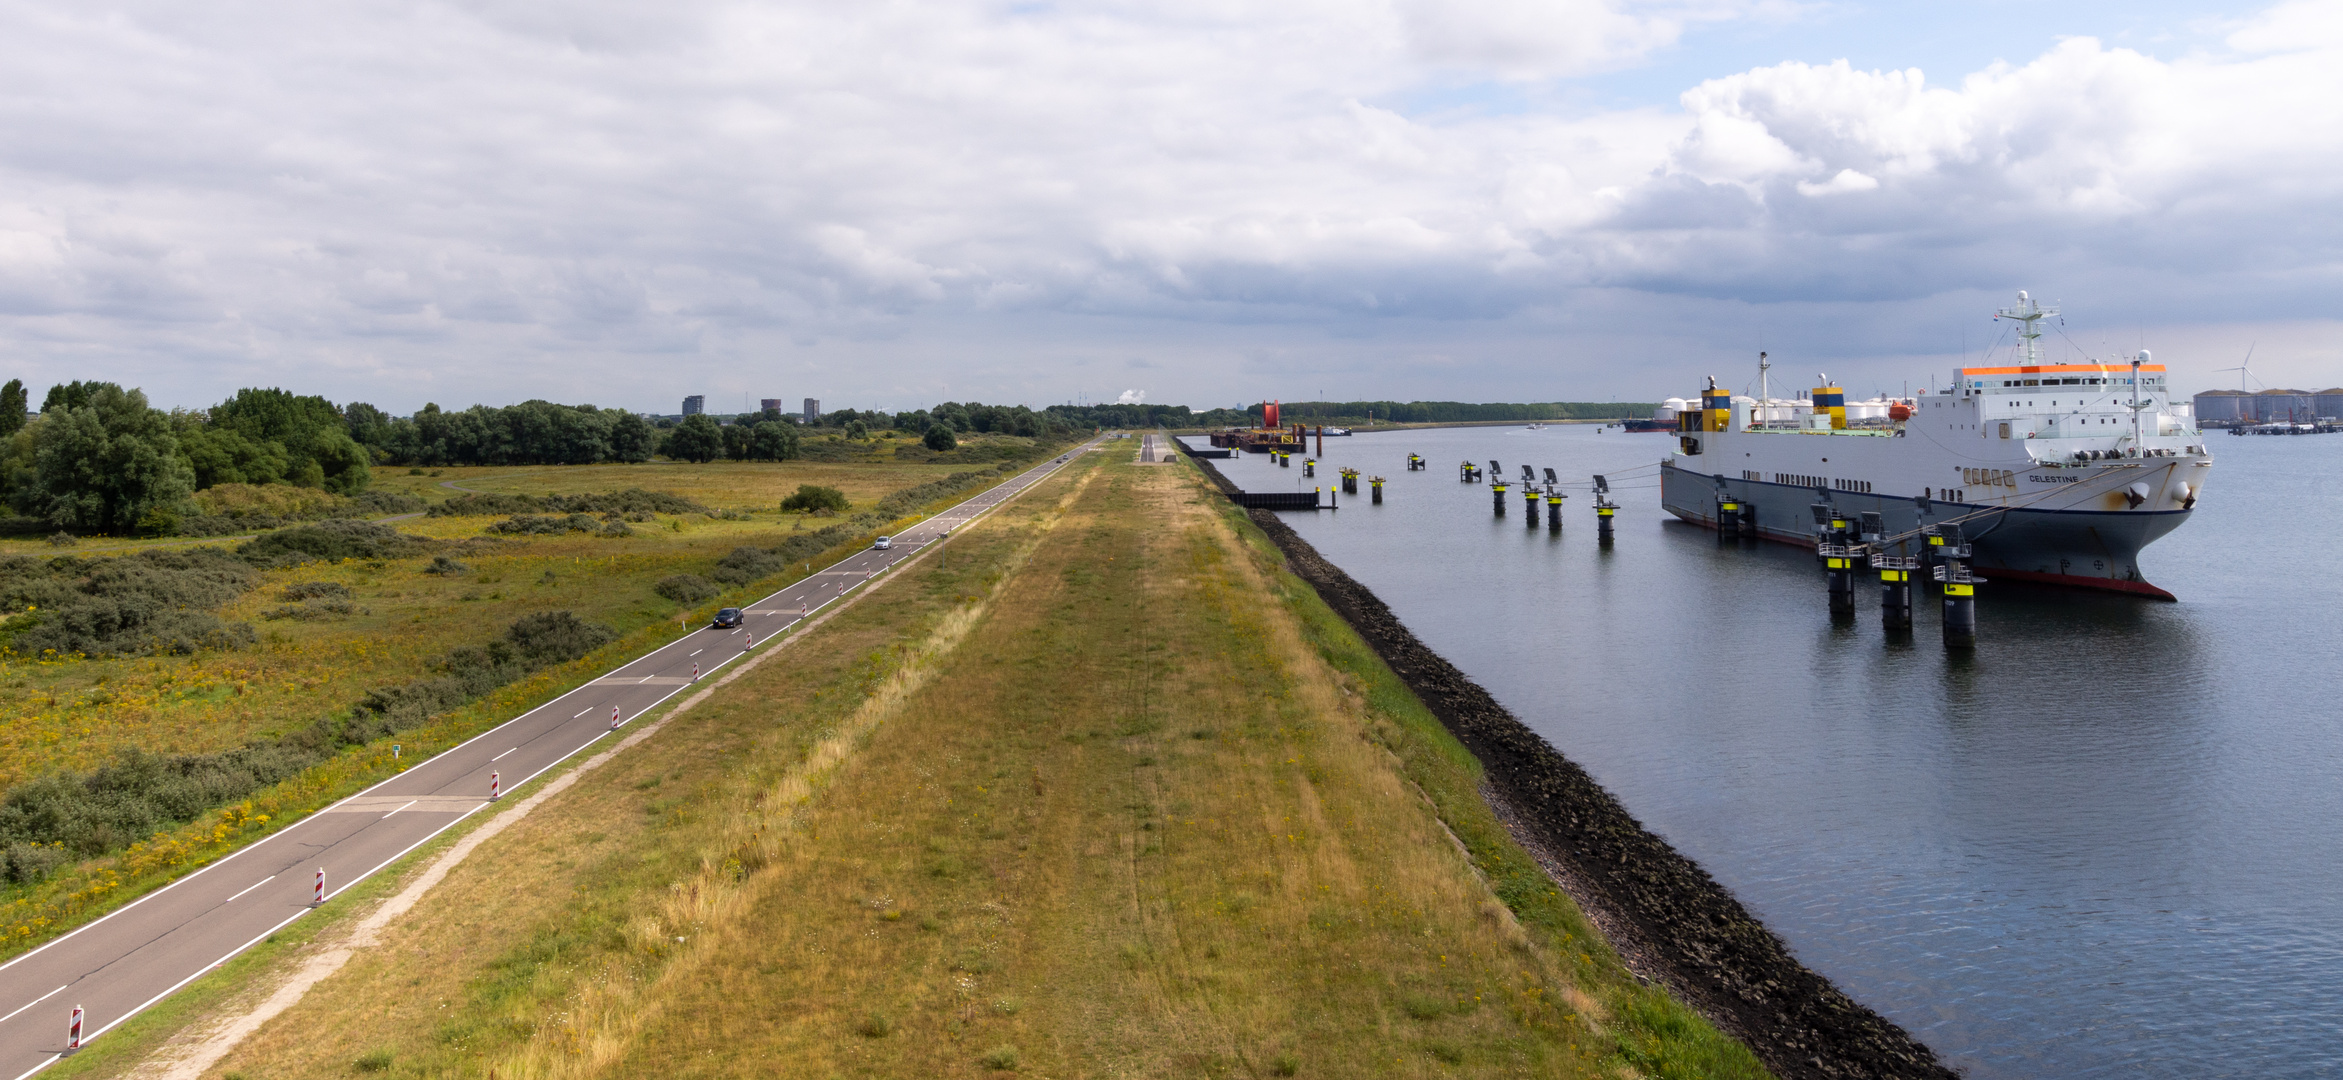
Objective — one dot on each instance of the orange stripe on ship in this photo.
(2059, 369)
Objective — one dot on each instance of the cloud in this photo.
(624, 202)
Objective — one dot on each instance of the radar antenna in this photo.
(2026, 314)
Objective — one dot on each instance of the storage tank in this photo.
(1668, 409)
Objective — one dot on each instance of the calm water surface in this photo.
(2106, 844)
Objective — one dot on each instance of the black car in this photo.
(728, 618)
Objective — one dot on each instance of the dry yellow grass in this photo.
(720, 484)
(1093, 801)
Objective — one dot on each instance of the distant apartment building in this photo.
(771, 404)
(813, 410)
(695, 405)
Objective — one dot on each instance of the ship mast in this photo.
(2027, 313)
(1764, 396)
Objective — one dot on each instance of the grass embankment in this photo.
(1109, 794)
(72, 715)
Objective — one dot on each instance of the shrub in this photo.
(815, 499)
(545, 638)
(1002, 1057)
(305, 590)
(442, 565)
(628, 502)
(150, 602)
(939, 438)
(744, 565)
(328, 540)
(478, 505)
(902, 502)
(273, 501)
(382, 501)
(536, 525)
(375, 1061)
(874, 1026)
(312, 610)
(685, 588)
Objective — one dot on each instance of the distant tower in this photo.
(813, 410)
(695, 405)
(771, 404)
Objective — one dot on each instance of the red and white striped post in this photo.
(320, 898)
(695, 672)
(493, 785)
(73, 1031)
(614, 718)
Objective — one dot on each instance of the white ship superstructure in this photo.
(2056, 472)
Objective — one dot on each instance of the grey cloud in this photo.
(613, 201)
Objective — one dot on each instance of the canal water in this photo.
(2106, 844)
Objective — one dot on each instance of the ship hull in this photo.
(2070, 546)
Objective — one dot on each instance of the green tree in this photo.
(736, 444)
(74, 394)
(939, 438)
(105, 465)
(12, 407)
(368, 426)
(697, 439)
(318, 449)
(773, 440)
(221, 456)
(632, 438)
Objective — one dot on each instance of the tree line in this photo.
(98, 458)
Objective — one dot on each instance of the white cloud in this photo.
(1847, 180)
(611, 200)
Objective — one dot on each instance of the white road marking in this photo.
(589, 708)
(33, 1002)
(501, 756)
(409, 802)
(249, 888)
(696, 652)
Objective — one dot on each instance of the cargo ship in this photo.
(2056, 473)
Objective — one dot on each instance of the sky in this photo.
(890, 204)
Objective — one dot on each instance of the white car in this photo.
(882, 543)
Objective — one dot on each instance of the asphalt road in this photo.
(142, 953)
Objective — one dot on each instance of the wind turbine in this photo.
(2245, 372)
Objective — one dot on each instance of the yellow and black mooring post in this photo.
(1604, 508)
(1960, 586)
(1375, 484)
(1837, 556)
